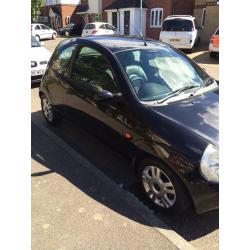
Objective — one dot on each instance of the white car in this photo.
(98, 28)
(41, 31)
(180, 31)
(39, 60)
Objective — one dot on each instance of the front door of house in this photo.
(126, 22)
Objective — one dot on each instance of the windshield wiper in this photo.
(177, 92)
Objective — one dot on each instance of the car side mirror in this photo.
(105, 95)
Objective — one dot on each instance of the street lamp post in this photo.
(141, 19)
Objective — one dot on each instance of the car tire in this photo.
(190, 51)
(212, 54)
(37, 38)
(54, 36)
(197, 42)
(49, 114)
(162, 187)
(66, 33)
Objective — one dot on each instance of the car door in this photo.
(91, 74)
(38, 31)
(110, 29)
(57, 76)
(102, 30)
(46, 31)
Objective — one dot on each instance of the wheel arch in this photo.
(143, 153)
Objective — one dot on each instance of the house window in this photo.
(67, 20)
(203, 17)
(156, 17)
(58, 21)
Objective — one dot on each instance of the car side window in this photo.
(103, 27)
(37, 27)
(92, 72)
(62, 60)
(109, 27)
(44, 27)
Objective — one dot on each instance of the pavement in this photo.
(84, 195)
(76, 207)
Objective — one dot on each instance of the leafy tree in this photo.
(35, 7)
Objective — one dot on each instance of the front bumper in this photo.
(205, 196)
(213, 49)
(182, 46)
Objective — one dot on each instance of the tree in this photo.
(35, 7)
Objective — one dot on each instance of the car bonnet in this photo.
(200, 114)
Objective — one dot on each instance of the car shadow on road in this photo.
(44, 150)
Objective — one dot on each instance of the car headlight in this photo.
(33, 64)
(209, 165)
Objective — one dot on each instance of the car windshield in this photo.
(34, 42)
(157, 73)
(178, 25)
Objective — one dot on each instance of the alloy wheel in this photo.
(47, 109)
(158, 186)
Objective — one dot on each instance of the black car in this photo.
(71, 29)
(149, 101)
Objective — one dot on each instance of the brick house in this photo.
(206, 13)
(58, 13)
(125, 15)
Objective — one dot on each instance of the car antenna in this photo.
(145, 44)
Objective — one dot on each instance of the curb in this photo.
(130, 199)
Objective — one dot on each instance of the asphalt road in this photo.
(201, 231)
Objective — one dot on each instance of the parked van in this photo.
(180, 31)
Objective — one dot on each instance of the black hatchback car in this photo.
(71, 29)
(150, 102)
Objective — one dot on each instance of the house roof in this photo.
(120, 4)
(55, 10)
(81, 8)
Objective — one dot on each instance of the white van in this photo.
(180, 31)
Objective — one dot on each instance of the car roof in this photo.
(187, 17)
(117, 43)
(98, 23)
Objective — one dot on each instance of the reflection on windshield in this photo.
(34, 42)
(156, 73)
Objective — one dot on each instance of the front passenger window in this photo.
(92, 71)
